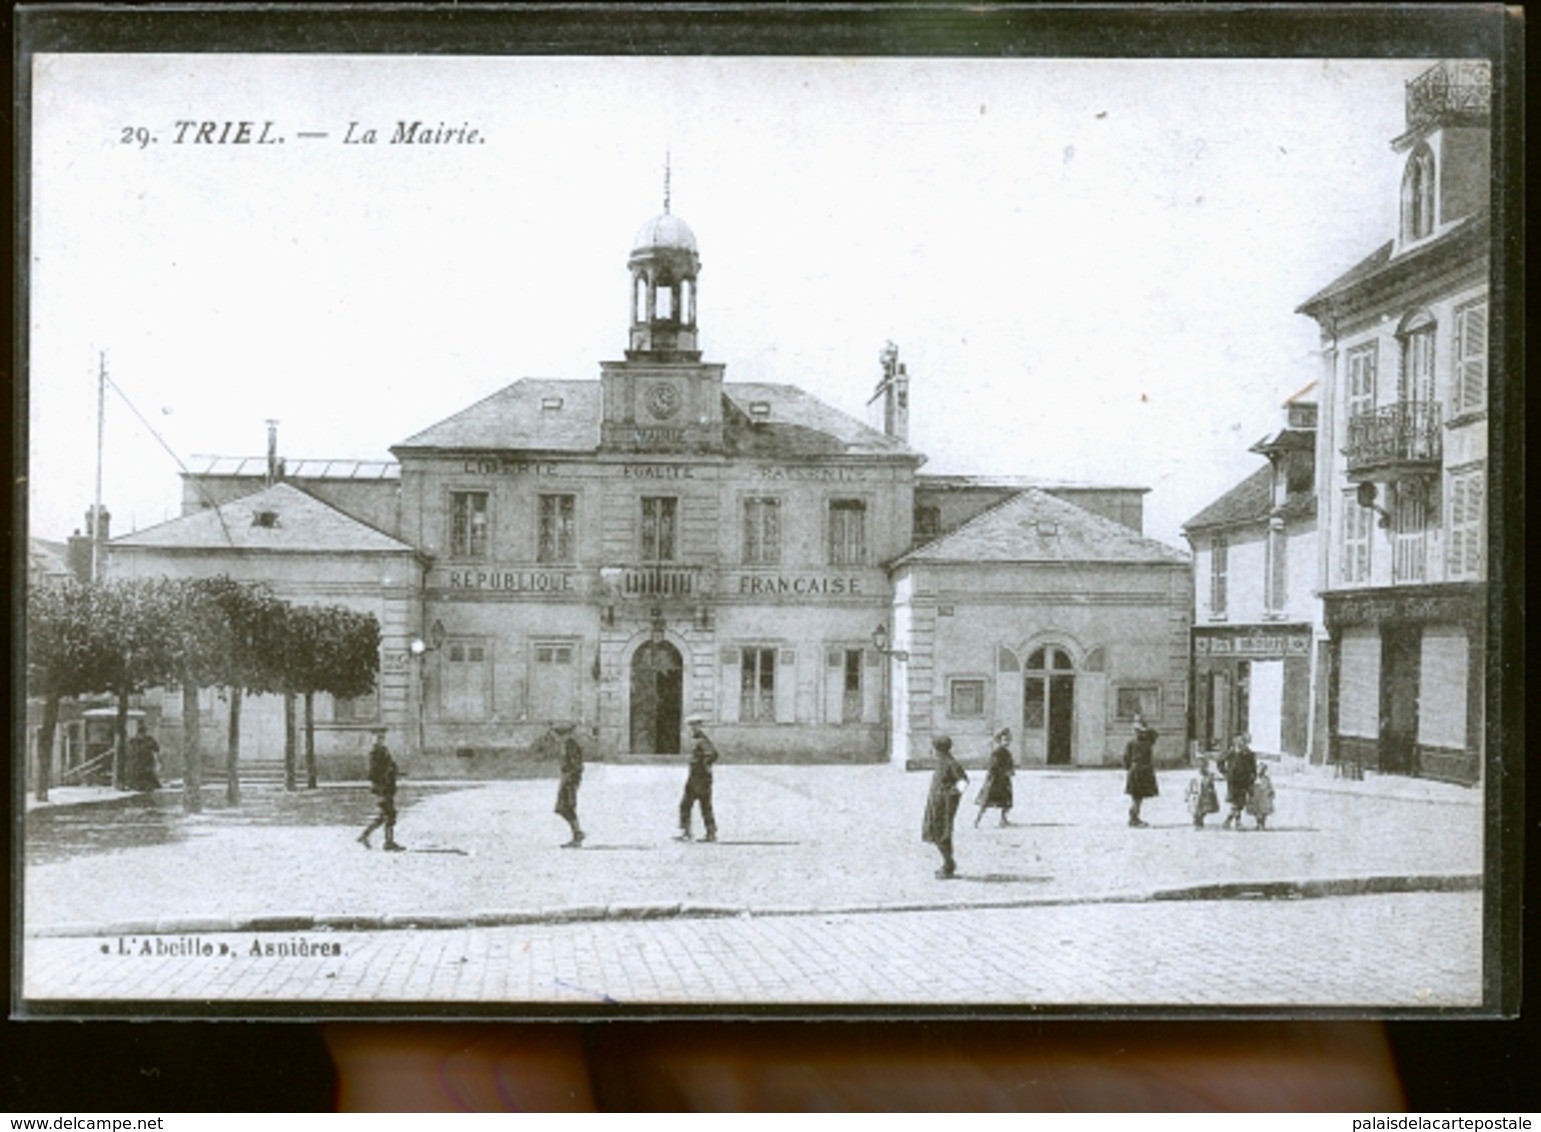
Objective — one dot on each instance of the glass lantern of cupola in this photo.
(664, 266)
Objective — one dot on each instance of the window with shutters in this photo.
(1219, 570)
(847, 532)
(1361, 380)
(1464, 541)
(468, 524)
(555, 541)
(1354, 561)
(854, 694)
(757, 687)
(762, 532)
(1470, 392)
(659, 529)
(554, 682)
(466, 680)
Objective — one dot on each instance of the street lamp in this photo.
(420, 649)
(880, 640)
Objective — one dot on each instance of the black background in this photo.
(1467, 1065)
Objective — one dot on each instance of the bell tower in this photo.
(663, 398)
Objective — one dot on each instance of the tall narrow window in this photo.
(1418, 195)
(757, 701)
(1470, 393)
(468, 524)
(555, 541)
(847, 532)
(1219, 570)
(1409, 537)
(1355, 560)
(1276, 582)
(1361, 380)
(659, 531)
(762, 532)
(1464, 551)
(1417, 379)
(851, 702)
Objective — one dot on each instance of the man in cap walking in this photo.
(698, 783)
(382, 780)
(572, 774)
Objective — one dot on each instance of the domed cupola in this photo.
(664, 265)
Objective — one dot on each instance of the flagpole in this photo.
(96, 510)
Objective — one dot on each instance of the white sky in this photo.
(1090, 267)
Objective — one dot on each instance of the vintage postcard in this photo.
(588, 532)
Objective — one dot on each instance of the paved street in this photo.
(820, 889)
(1415, 950)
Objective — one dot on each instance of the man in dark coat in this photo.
(1240, 770)
(572, 774)
(942, 804)
(1140, 765)
(382, 780)
(997, 788)
(698, 783)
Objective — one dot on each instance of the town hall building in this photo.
(626, 552)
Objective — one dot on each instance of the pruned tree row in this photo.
(122, 638)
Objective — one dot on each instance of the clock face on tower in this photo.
(663, 400)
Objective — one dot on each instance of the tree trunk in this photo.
(45, 746)
(192, 751)
(120, 740)
(233, 750)
(310, 740)
(288, 740)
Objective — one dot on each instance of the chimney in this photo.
(894, 389)
(274, 469)
(79, 552)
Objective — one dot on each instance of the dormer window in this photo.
(268, 519)
(1418, 195)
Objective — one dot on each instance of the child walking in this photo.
(1260, 801)
(1203, 798)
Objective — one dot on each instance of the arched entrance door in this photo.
(657, 692)
(1048, 702)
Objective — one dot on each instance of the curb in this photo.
(595, 913)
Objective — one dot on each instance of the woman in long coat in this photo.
(997, 788)
(942, 804)
(1140, 765)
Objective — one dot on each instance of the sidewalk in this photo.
(794, 841)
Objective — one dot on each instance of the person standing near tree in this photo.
(942, 804)
(698, 783)
(143, 761)
(571, 753)
(382, 780)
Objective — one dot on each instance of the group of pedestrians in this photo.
(383, 774)
(1247, 786)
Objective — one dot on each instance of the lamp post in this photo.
(881, 641)
(419, 648)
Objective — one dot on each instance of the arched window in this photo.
(639, 300)
(1415, 381)
(1418, 195)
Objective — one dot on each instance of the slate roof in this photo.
(1036, 527)
(517, 417)
(955, 482)
(1249, 501)
(1469, 229)
(799, 424)
(305, 525)
(513, 418)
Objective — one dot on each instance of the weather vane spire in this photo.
(666, 180)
